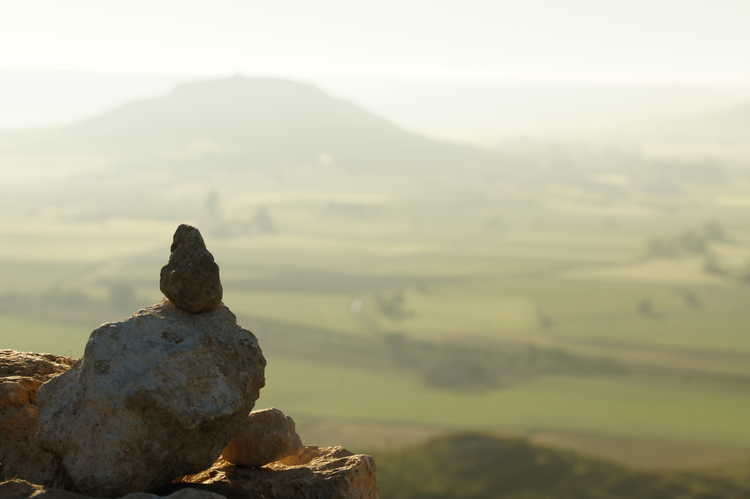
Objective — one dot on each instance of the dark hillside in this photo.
(475, 466)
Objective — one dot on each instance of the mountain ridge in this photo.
(249, 121)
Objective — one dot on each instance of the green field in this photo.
(586, 295)
(553, 318)
(644, 407)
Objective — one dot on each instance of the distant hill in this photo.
(248, 122)
(476, 466)
(474, 110)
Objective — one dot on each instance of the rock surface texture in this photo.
(315, 473)
(191, 277)
(267, 435)
(155, 397)
(21, 455)
(153, 403)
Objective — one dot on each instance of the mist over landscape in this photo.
(500, 281)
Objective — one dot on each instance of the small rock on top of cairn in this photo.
(190, 280)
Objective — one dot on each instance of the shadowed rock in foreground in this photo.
(21, 489)
(316, 473)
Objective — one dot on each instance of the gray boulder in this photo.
(191, 277)
(268, 435)
(155, 397)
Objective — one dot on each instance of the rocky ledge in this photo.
(314, 473)
(21, 454)
(153, 404)
(317, 473)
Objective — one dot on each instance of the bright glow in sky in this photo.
(634, 40)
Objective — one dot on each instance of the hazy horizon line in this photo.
(733, 80)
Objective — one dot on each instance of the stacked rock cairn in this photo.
(161, 403)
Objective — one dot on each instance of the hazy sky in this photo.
(654, 40)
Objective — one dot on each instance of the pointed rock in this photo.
(191, 277)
